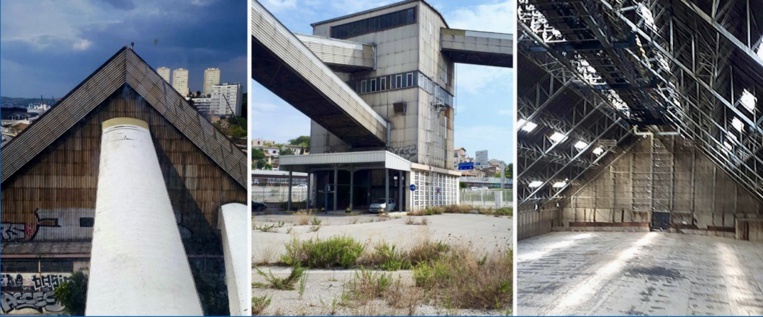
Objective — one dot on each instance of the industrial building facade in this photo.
(386, 83)
(50, 177)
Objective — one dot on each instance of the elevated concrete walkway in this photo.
(478, 48)
(286, 66)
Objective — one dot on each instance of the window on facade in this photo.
(374, 24)
(373, 85)
(56, 265)
(409, 76)
(383, 83)
(399, 81)
(363, 86)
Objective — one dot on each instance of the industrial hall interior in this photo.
(639, 158)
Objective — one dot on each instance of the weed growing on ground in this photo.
(266, 228)
(288, 231)
(259, 304)
(316, 253)
(409, 221)
(316, 221)
(302, 284)
(281, 224)
(286, 283)
(303, 217)
(368, 285)
(459, 280)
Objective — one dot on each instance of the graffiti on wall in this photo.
(31, 291)
(52, 225)
(408, 152)
(13, 231)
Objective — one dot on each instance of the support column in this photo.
(400, 190)
(309, 187)
(288, 199)
(136, 267)
(352, 188)
(386, 187)
(336, 182)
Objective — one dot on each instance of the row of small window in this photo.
(388, 82)
(35, 266)
(374, 24)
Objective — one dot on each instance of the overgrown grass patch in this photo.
(462, 280)
(316, 253)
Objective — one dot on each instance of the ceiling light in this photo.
(526, 125)
(598, 150)
(737, 124)
(581, 145)
(535, 184)
(748, 100)
(558, 137)
(559, 184)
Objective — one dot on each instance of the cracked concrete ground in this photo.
(323, 289)
(607, 273)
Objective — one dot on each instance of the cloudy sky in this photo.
(484, 101)
(49, 47)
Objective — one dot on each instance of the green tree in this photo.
(258, 159)
(286, 151)
(72, 294)
(303, 141)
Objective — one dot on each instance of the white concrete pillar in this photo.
(138, 265)
(231, 222)
(386, 188)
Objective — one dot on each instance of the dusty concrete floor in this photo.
(324, 287)
(573, 273)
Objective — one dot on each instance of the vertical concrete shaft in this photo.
(138, 264)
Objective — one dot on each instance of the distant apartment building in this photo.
(226, 99)
(203, 105)
(164, 72)
(256, 143)
(180, 81)
(211, 79)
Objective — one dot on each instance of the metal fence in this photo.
(278, 194)
(496, 198)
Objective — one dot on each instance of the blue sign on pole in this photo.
(412, 187)
(465, 166)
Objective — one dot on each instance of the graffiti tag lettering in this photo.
(407, 152)
(31, 291)
(13, 231)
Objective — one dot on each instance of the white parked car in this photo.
(380, 205)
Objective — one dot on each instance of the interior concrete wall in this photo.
(666, 173)
(532, 223)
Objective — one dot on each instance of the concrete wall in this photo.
(532, 223)
(421, 134)
(661, 174)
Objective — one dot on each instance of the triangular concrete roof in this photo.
(124, 68)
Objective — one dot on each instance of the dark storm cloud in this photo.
(122, 4)
(194, 35)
